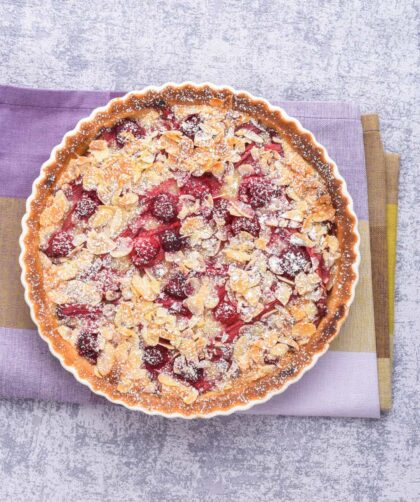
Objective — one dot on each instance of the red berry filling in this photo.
(191, 125)
(241, 224)
(146, 251)
(59, 245)
(293, 260)
(276, 147)
(87, 205)
(78, 310)
(171, 240)
(163, 207)
(155, 358)
(169, 120)
(200, 186)
(177, 286)
(87, 346)
(246, 157)
(256, 191)
(250, 126)
(221, 210)
(226, 313)
(195, 187)
(128, 125)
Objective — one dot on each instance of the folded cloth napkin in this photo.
(344, 382)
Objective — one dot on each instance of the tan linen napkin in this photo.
(378, 187)
(392, 174)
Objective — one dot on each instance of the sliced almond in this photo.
(188, 393)
(99, 243)
(283, 293)
(124, 246)
(145, 286)
(303, 330)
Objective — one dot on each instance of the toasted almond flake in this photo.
(65, 271)
(279, 350)
(239, 256)
(293, 214)
(188, 393)
(245, 170)
(332, 243)
(305, 283)
(145, 286)
(124, 316)
(285, 279)
(128, 199)
(76, 291)
(238, 208)
(290, 342)
(323, 213)
(241, 353)
(107, 332)
(99, 149)
(124, 246)
(102, 216)
(252, 136)
(117, 222)
(253, 295)
(303, 330)
(283, 292)
(99, 243)
(106, 360)
(299, 239)
(151, 335)
(54, 213)
(65, 332)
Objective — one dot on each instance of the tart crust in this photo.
(243, 393)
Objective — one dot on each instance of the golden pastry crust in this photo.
(99, 185)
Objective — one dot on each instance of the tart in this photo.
(189, 251)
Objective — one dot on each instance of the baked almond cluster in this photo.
(188, 247)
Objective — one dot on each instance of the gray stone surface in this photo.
(363, 51)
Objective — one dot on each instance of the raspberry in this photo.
(146, 251)
(107, 279)
(196, 187)
(177, 308)
(163, 207)
(87, 346)
(256, 191)
(226, 313)
(171, 240)
(59, 245)
(221, 210)
(177, 286)
(87, 205)
(191, 373)
(200, 186)
(108, 135)
(251, 226)
(190, 126)
(294, 260)
(155, 358)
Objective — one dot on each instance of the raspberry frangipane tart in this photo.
(189, 250)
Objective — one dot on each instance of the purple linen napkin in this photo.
(32, 122)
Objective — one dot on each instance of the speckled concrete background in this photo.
(363, 51)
